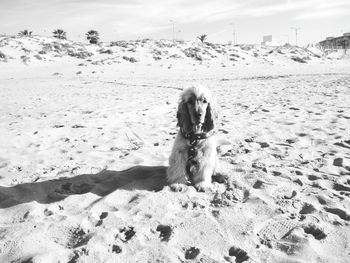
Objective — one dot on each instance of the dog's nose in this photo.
(198, 115)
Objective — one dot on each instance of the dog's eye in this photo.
(205, 101)
(190, 102)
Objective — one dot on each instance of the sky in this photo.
(180, 19)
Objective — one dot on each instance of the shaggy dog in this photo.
(194, 154)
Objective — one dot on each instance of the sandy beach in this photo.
(86, 134)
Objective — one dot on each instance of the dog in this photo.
(194, 154)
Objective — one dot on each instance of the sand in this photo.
(84, 150)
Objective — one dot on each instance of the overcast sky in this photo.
(132, 19)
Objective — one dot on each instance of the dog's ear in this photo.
(183, 117)
(210, 117)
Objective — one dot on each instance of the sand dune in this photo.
(38, 50)
(83, 159)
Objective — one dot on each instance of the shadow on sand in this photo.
(151, 178)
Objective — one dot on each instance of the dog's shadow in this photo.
(151, 178)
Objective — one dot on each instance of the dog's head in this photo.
(197, 111)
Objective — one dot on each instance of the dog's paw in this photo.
(204, 187)
(181, 188)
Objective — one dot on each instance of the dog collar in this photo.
(196, 136)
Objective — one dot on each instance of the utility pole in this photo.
(296, 29)
(177, 34)
(233, 33)
(173, 22)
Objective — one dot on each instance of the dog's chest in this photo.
(195, 150)
(194, 154)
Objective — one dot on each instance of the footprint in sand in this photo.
(293, 243)
(298, 181)
(48, 212)
(321, 200)
(297, 172)
(338, 162)
(77, 126)
(77, 238)
(307, 209)
(263, 144)
(284, 192)
(76, 254)
(284, 235)
(165, 232)
(25, 217)
(301, 134)
(258, 184)
(312, 177)
(275, 230)
(192, 253)
(259, 166)
(116, 249)
(230, 197)
(127, 234)
(342, 144)
(239, 254)
(192, 204)
(341, 188)
(276, 173)
(316, 232)
(339, 212)
(74, 258)
(294, 108)
(102, 216)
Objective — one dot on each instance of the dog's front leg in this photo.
(176, 173)
(202, 181)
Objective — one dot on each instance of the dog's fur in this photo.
(196, 115)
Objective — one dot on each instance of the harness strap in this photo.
(192, 152)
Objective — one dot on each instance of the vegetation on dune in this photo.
(25, 33)
(200, 51)
(60, 34)
(202, 38)
(92, 36)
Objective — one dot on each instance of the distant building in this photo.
(267, 38)
(331, 43)
(267, 41)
